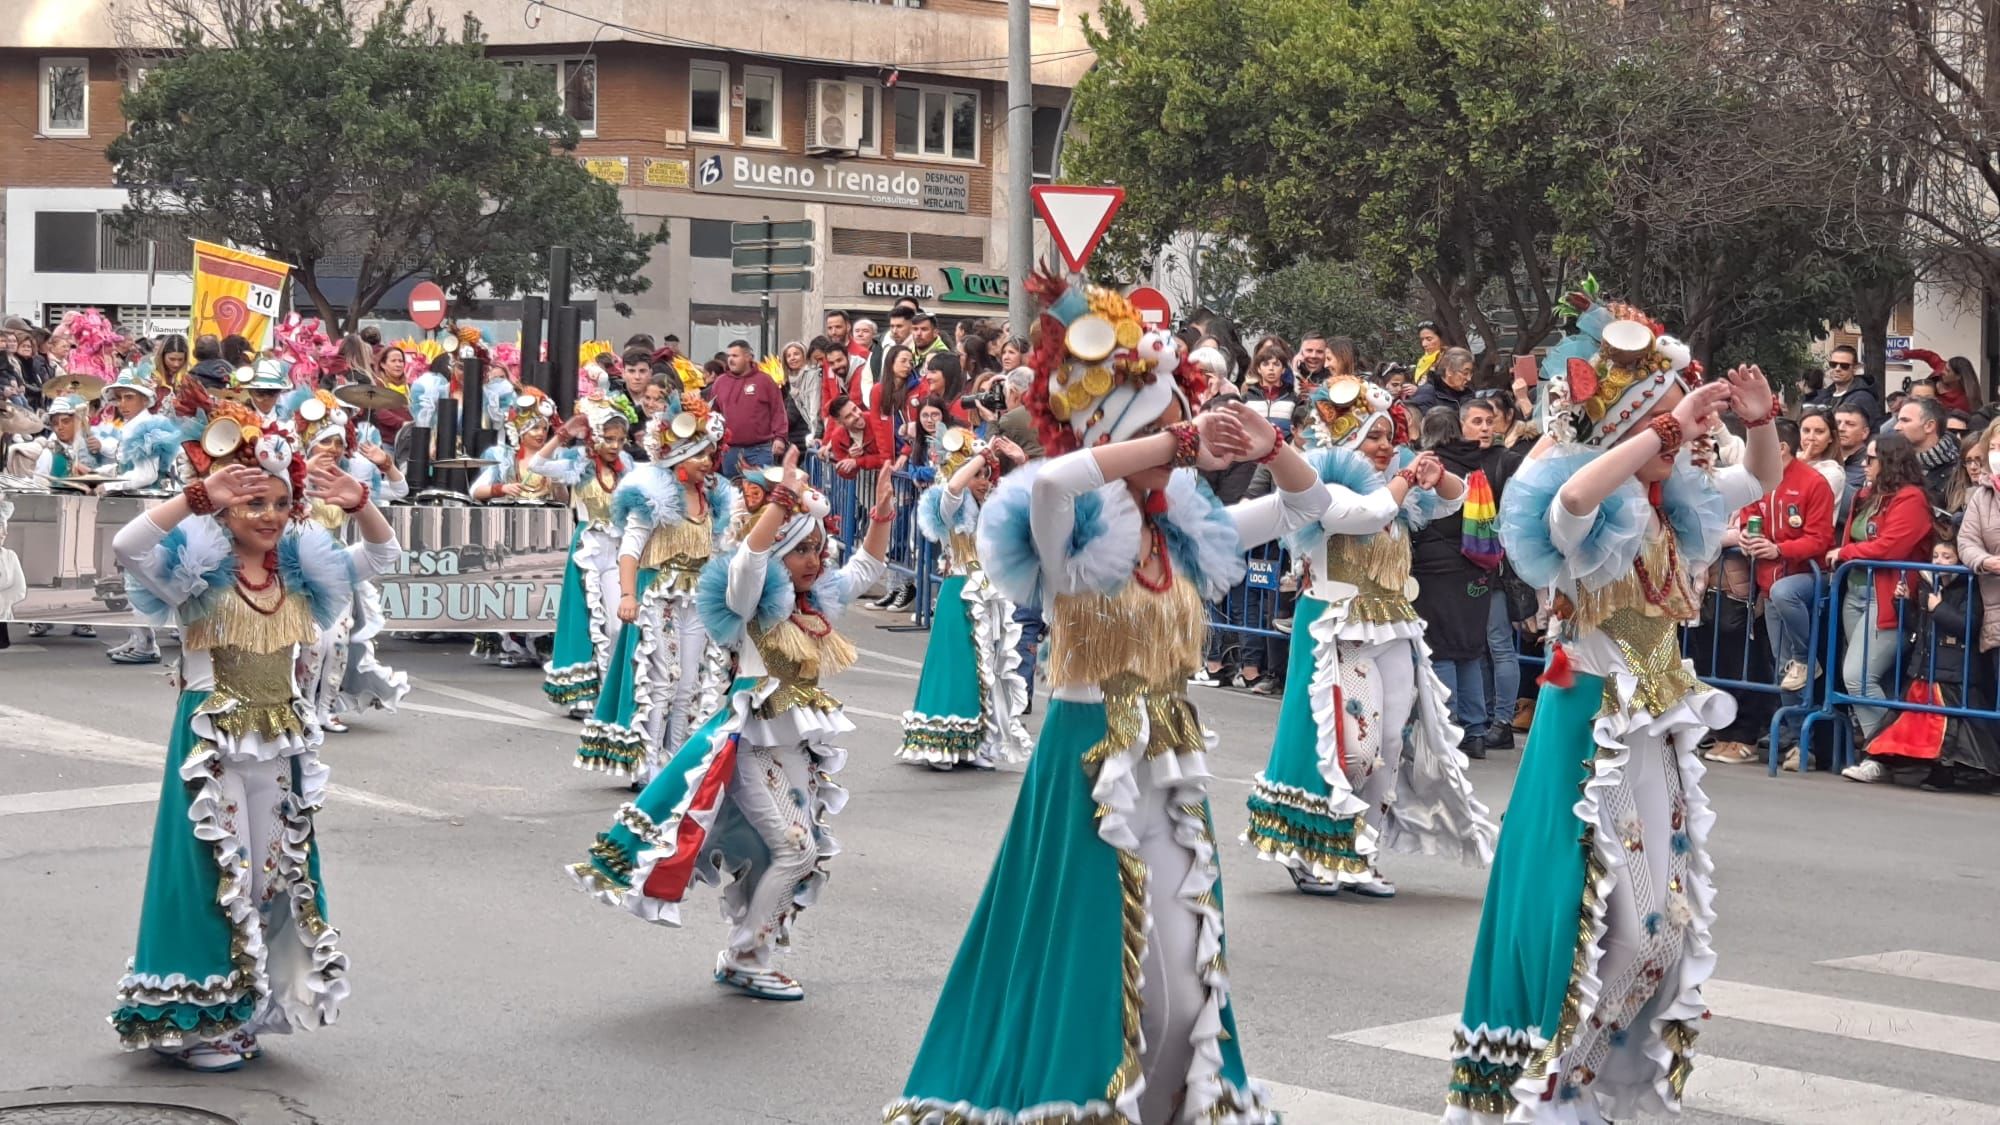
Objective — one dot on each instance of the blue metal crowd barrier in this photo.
(911, 556)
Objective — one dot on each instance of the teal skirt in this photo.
(207, 951)
(1302, 812)
(1034, 1012)
(612, 740)
(947, 722)
(571, 678)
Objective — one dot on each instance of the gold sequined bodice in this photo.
(797, 660)
(962, 553)
(1663, 573)
(534, 486)
(1379, 566)
(681, 546)
(592, 497)
(252, 655)
(1157, 637)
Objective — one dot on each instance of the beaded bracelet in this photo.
(1277, 447)
(1408, 477)
(361, 503)
(1769, 417)
(994, 466)
(197, 498)
(1668, 429)
(784, 499)
(1187, 444)
(882, 514)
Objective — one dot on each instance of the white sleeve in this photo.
(1355, 513)
(371, 559)
(948, 505)
(1740, 488)
(632, 541)
(861, 571)
(746, 581)
(1275, 514)
(1052, 518)
(1568, 531)
(390, 489)
(132, 544)
(45, 463)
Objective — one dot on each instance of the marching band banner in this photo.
(236, 293)
(465, 569)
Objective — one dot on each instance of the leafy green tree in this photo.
(1337, 298)
(383, 149)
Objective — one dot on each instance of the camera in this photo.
(993, 399)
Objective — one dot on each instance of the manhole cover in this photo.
(109, 1113)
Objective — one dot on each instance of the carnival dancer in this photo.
(1103, 912)
(665, 676)
(1586, 979)
(234, 938)
(144, 447)
(524, 425)
(970, 696)
(748, 799)
(1365, 758)
(587, 612)
(339, 672)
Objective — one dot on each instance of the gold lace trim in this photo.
(591, 496)
(233, 624)
(1156, 638)
(1381, 559)
(690, 540)
(534, 486)
(964, 553)
(1594, 607)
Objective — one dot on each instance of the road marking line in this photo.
(1855, 1019)
(1915, 964)
(903, 660)
(63, 800)
(467, 695)
(26, 730)
(19, 647)
(892, 673)
(867, 714)
(541, 722)
(1317, 1107)
(1752, 1091)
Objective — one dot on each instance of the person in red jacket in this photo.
(1792, 530)
(859, 441)
(1891, 523)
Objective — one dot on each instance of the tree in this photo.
(1337, 298)
(1432, 141)
(397, 146)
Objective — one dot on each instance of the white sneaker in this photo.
(1791, 764)
(1203, 677)
(1375, 886)
(212, 1057)
(38, 629)
(1794, 677)
(764, 984)
(1868, 772)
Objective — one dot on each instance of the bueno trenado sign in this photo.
(777, 176)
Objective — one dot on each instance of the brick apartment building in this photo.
(783, 112)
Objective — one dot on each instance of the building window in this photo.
(712, 327)
(708, 104)
(65, 242)
(1047, 131)
(871, 111)
(65, 97)
(574, 82)
(937, 122)
(763, 102)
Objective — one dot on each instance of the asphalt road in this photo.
(487, 990)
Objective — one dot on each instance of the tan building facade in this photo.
(883, 125)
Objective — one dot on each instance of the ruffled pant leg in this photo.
(773, 791)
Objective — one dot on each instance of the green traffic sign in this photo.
(770, 282)
(797, 230)
(766, 257)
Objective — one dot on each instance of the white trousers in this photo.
(1171, 992)
(673, 685)
(1382, 679)
(773, 788)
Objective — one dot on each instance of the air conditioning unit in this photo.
(833, 116)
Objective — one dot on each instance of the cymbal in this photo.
(81, 480)
(460, 463)
(89, 386)
(369, 396)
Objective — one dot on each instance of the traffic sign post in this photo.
(765, 282)
(1155, 310)
(769, 257)
(747, 234)
(427, 305)
(1077, 218)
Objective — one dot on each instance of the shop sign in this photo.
(884, 279)
(779, 176)
(613, 170)
(666, 172)
(974, 288)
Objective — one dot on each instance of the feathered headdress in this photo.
(960, 445)
(220, 433)
(812, 515)
(694, 429)
(1601, 383)
(1346, 408)
(527, 409)
(1099, 375)
(318, 416)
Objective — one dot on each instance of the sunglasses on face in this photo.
(1837, 366)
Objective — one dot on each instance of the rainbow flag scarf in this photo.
(1478, 540)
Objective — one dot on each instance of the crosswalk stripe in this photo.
(1317, 1107)
(1915, 964)
(1854, 1019)
(63, 800)
(1752, 1091)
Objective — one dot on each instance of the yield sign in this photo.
(1077, 217)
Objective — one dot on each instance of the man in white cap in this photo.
(144, 447)
(265, 382)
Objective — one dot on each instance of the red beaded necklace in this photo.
(1166, 580)
(270, 574)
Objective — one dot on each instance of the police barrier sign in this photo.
(470, 569)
